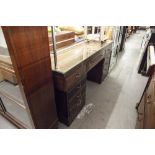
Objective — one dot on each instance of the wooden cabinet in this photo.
(30, 55)
(70, 103)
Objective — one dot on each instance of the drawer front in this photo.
(75, 77)
(76, 89)
(95, 60)
(77, 97)
(74, 111)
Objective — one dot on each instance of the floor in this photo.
(111, 104)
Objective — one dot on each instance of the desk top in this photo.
(68, 58)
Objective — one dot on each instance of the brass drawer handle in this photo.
(77, 75)
(149, 96)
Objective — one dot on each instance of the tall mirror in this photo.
(12, 103)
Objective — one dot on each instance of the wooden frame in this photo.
(30, 55)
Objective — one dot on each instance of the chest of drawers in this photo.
(70, 102)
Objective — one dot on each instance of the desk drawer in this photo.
(74, 111)
(76, 89)
(70, 103)
(66, 82)
(75, 77)
(94, 60)
(77, 97)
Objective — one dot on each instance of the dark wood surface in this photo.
(70, 103)
(30, 55)
(64, 82)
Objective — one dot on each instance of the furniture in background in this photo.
(63, 38)
(6, 70)
(146, 106)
